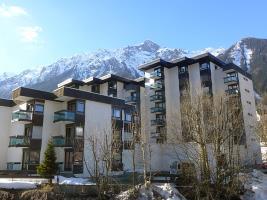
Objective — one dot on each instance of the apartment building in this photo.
(166, 85)
(68, 116)
(78, 109)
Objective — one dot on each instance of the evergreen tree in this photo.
(48, 167)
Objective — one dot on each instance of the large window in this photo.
(116, 112)
(39, 108)
(128, 117)
(204, 66)
(76, 106)
(80, 106)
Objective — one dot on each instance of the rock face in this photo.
(249, 53)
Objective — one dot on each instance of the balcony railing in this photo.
(157, 110)
(158, 85)
(155, 75)
(14, 166)
(22, 115)
(60, 141)
(229, 79)
(131, 99)
(157, 97)
(158, 122)
(232, 91)
(64, 115)
(19, 141)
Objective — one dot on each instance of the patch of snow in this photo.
(72, 181)
(256, 186)
(165, 191)
(168, 191)
(10, 184)
(213, 51)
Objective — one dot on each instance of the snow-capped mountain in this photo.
(249, 53)
(123, 61)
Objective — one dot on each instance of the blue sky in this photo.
(35, 33)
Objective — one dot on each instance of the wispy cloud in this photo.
(29, 34)
(11, 11)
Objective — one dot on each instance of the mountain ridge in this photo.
(122, 61)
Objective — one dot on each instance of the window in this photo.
(158, 72)
(231, 74)
(183, 69)
(80, 106)
(112, 85)
(116, 113)
(204, 66)
(79, 131)
(39, 108)
(160, 105)
(95, 88)
(128, 117)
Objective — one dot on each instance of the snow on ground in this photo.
(165, 191)
(168, 191)
(73, 181)
(30, 183)
(256, 186)
(10, 184)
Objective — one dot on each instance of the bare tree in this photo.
(212, 132)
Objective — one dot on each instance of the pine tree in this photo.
(48, 167)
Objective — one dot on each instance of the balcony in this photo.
(231, 79)
(22, 116)
(156, 97)
(14, 166)
(19, 141)
(158, 122)
(157, 86)
(64, 116)
(157, 110)
(131, 99)
(60, 141)
(156, 75)
(232, 91)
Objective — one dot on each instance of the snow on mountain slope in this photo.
(122, 61)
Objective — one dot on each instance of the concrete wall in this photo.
(97, 123)
(5, 123)
(50, 128)
(250, 119)
(173, 113)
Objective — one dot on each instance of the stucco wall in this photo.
(97, 123)
(5, 123)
